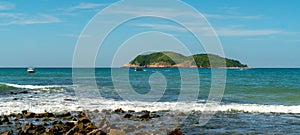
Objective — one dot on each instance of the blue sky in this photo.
(43, 33)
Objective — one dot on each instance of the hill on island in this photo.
(172, 59)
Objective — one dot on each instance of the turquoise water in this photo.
(267, 97)
(253, 86)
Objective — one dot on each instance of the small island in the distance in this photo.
(176, 60)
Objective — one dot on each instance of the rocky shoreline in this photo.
(69, 123)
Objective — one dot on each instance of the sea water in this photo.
(258, 100)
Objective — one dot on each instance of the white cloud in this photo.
(219, 16)
(246, 32)
(225, 32)
(161, 11)
(74, 36)
(6, 6)
(83, 6)
(10, 15)
(161, 27)
(190, 19)
(24, 19)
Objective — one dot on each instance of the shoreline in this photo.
(76, 122)
(121, 122)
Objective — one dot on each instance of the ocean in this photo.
(255, 101)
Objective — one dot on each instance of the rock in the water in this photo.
(24, 92)
(177, 131)
(131, 111)
(19, 115)
(154, 115)
(127, 115)
(116, 132)
(4, 119)
(63, 115)
(145, 111)
(29, 115)
(13, 93)
(24, 112)
(68, 99)
(8, 132)
(145, 116)
(120, 110)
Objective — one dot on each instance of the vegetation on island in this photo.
(172, 59)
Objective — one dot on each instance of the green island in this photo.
(176, 60)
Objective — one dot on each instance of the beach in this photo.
(255, 101)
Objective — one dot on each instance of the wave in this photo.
(9, 86)
(91, 104)
(56, 103)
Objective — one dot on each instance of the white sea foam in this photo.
(56, 103)
(31, 86)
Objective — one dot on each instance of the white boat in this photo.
(31, 70)
(243, 68)
(139, 69)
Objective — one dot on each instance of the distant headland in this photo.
(176, 60)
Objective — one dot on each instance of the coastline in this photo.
(79, 122)
(121, 122)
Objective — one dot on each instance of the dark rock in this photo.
(69, 125)
(13, 93)
(96, 132)
(145, 116)
(58, 127)
(72, 131)
(29, 115)
(63, 115)
(209, 127)
(8, 123)
(154, 116)
(127, 115)
(177, 131)
(131, 111)
(145, 111)
(134, 117)
(54, 122)
(23, 92)
(85, 120)
(68, 99)
(12, 115)
(39, 129)
(74, 119)
(19, 115)
(39, 115)
(81, 114)
(78, 128)
(44, 124)
(15, 99)
(4, 119)
(46, 119)
(120, 110)
(8, 132)
(47, 114)
(67, 118)
(17, 123)
(24, 112)
(27, 129)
